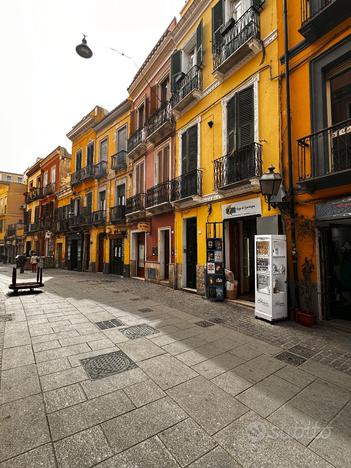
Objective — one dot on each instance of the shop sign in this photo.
(48, 235)
(251, 207)
(335, 209)
(144, 227)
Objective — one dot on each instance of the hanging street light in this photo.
(270, 183)
(83, 50)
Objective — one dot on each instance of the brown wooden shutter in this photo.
(153, 99)
(217, 21)
(132, 122)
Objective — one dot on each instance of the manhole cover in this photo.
(104, 365)
(290, 358)
(6, 318)
(145, 309)
(109, 324)
(135, 299)
(302, 351)
(204, 324)
(137, 331)
(216, 320)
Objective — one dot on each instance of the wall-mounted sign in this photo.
(335, 209)
(144, 227)
(251, 207)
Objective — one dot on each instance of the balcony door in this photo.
(139, 178)
(120, 195)
(121, 139)
(191, 252)
(90, 154)
(116, 253)
(102, 200)
(103, 150)
(89, 202)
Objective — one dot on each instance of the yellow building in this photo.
(225, 96)
(319, 45)
(112, 132)
(64, 197)
(87, 215)
(32, 216)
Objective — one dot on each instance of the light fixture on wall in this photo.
(210, 123)
(270, 183)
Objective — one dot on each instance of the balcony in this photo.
(187, 89)
(158, 198)
(34, 193)
(47, 223)
(33, 227)
(325, 157)
(118, 214)
(187, 187)
(80, 220)
(98, 217)
(320, 16)
(49, 189)
(100, 170)
(11, 230)
(60, 225)
(135, 205)
(160, 125)
(240, 41)
(82, 175)
(119, 161)
(238, 167)
(137, 144)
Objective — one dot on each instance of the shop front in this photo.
(333, 220)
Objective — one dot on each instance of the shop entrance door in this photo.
(116, 256)
(101, 253)
(74, 254)
(191, 252)
(164, 253)
(335, 252)
(59, 254)
(140, 255)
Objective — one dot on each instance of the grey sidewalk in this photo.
(185, 395)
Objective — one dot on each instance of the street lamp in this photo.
(83, 50)
(270, 183)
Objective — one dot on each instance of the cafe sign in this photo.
(144, 227)
(335, 209)
(251, 207)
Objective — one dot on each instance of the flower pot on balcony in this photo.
(305, 318)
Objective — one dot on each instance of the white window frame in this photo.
(252, 82)
(53, 175)
(157, 150)
(102, 189)
(121, 182)
(46, 179)
(100, 143)
(90, 143)
(197, 122)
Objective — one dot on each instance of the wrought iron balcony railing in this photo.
(135, 203)
(186, 84)
(325, 153)
(119, 161)
(49, 189)
(187, 185)
(118, 214)
(11, 230)
(88, 172)
(236, 34)
(158, 194)
(100, 169)
(77, 177)
(98, 217)
(34, 194)
(61, 225)
(33, 227)
(81, 219)
(135, 139)
(159, 118)
(244, 163)
(320, 16)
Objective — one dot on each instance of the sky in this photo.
(46, 88)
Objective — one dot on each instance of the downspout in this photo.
(291, 196)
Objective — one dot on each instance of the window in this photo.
(102, 200)
(90, 154)
(53, 174)
(120, 194)
(121, 139)
(89, 202)
(8, 178)
(19, 180)
(1, 225)
(141, 116)
(164, 91)
(46, 176)
(162, 165)
(103, 150)
(240, 120)
(139, 174)
(189, 149)
(79, 160)
(338, 88)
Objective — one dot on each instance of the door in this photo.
(116, 256)
(87, 252)
(164, 253)
(191, 252)
(248, 259)
(101, 253)
(141, 255)
(59, 255)
(74, 254)
(121, 139)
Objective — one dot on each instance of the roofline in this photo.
(118, 111)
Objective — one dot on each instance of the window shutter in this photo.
(90, 154)
(192, 148)
(245, 117)
(103, 150)
(231, 105)
(199, 47)
(132, 122)
(184, 152)
(153, 99)
(176, 66)
(257, 4)
(146, 109)
(217, 21)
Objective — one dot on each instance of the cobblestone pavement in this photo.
(110, 372)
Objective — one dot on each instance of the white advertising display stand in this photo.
(270, 277)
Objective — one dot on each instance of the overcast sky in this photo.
(45, 87)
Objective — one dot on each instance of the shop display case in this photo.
(270, 277)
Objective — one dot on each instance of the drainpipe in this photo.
(291, 197)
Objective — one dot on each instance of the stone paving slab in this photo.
(214, 459)
(18, 383)
(63, 397)
(40, 457)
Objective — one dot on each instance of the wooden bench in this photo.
(31, 285)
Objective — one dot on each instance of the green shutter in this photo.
(231, 106)
(217, 21)
(257, 4)
(199, 46)
(192, 148)
(245, 117)
(176, 66)
(184, 152)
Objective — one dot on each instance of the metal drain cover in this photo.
(109, 324)
(145, 309)
(204, 324)
(104, 365)
(290, 358)
(302, 351)
(216, 320)
(6, 318)
(137, 331)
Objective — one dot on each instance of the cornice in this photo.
(195, 10)
(86, 124)
(118, 111)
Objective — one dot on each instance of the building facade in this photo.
(319, 68)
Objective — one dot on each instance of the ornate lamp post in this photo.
(270, 183)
